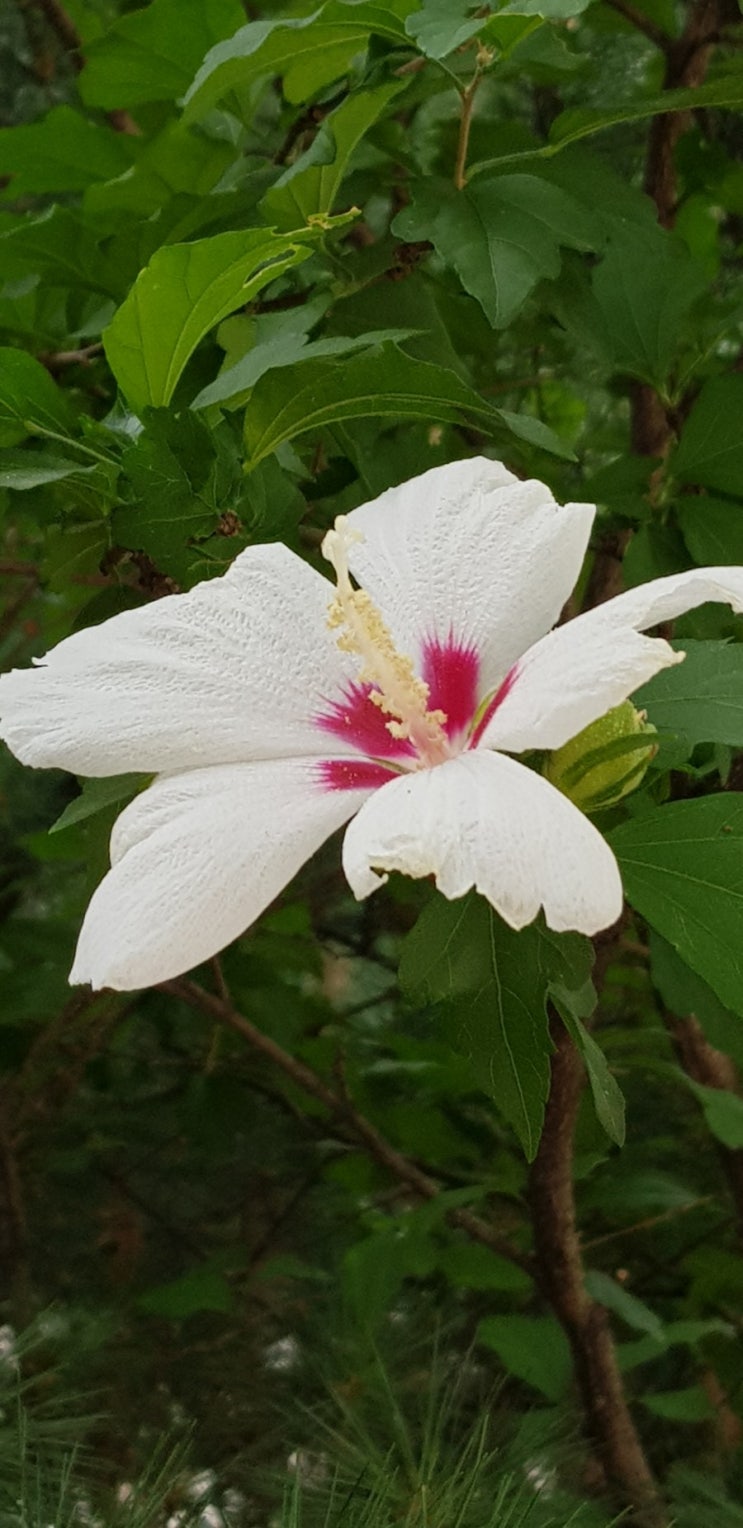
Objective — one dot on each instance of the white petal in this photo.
(486, 821)
(470, 552)
(582, 669)
(195, 859)
(232, 670)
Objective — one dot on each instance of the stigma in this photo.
(394, 685)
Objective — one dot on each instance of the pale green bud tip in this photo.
(605, 761)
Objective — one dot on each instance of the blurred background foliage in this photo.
(226, 1303)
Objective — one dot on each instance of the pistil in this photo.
(395, 687)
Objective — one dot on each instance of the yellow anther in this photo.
(396, 688)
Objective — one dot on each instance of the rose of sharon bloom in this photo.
(274, 707)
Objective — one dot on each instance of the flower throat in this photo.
(395, 686)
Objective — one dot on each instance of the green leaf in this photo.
(550, 10)
(176, 160)
(96, 795)
(711, 448)
(311, 185)
(30, 402)
(534, 1348)
(232, 385)
(581, 121)
(34, 469)
(308, 52)
(682, 868)
(167, 468)
(685, 993)
(381, 383)
(62, 248)
(723, 1112)
(150, 54)
(712, 529)
(701, 699)
(632, 312)
(65, 151)
(690, 1405)
(468, 1265)
(675, 1334)
(443, 25)
(495, 985)
(501, 236)
(204, 1288)
(614, 1297)
(608, 1099)
(184, 291)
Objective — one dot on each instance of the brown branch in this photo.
(65, 29)
(19, 569)
(687, 61)
(713, 1069)
(562, 1279)
(642, 23)
(342, 1109)
(57, 360)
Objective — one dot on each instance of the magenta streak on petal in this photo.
(353, 774)
(451, 670)
(496, 700)
(359, 722)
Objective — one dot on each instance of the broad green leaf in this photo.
(501, 236)
(177, 159)
(723, 1112)
(308, 52)
(711, 448)
(534, 1348)
(311, 185)
(550, 10)
(701, 699)
(384, 382)
(614, 1297)
(204, 1288)
(682, 867)
(468, 1265)
(97, 795)
(30, 402)
(495, 985)
(443, 25)
(64, 151)
(168, 468)
(233, 384)
(685, 993)
(608, 1099)
(64, 249)
(34, 469)
(535, 432)
(580, 121)
(184, 291)
(151, 53)
(632, 311)
(683, 1334)
(712, 529)
(689, 1405)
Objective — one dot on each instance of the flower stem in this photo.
(562, 1279)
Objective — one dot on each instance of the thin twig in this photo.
(57, 360)
(562, 1279)
(343, 1110)
(465, 123)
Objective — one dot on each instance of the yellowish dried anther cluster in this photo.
(396, 688)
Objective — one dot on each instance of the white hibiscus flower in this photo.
(273, 709)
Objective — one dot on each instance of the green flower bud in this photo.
(605, 761)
